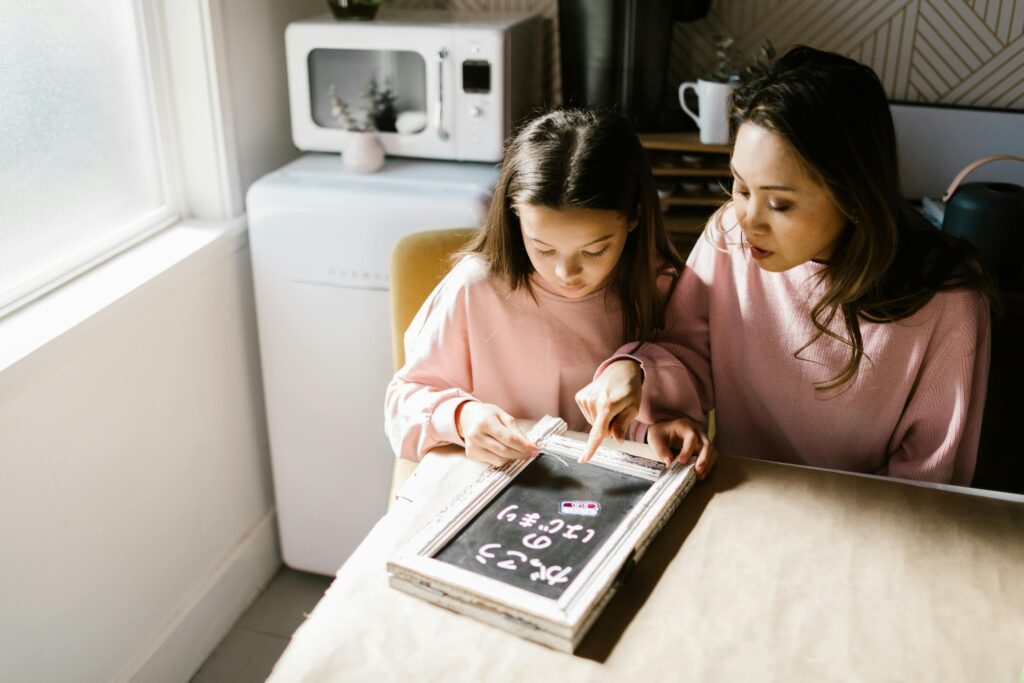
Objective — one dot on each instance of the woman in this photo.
(821, 317)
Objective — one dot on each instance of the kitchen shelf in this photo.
(688, 174)
(688, 141)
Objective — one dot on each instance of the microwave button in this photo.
(476, 76)
(475, 112)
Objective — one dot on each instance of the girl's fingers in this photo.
(511, 436)
(498, 442)
(484, 455)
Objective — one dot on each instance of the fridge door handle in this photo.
(439, 124)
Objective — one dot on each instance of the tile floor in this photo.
(249, 651)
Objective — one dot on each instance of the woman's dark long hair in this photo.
(584, 159)
(889, 261)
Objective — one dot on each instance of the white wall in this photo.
(134, 462)
(258, 87)
(136, 505)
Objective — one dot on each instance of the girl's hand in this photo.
(610, 402)
(491, 434)
(682, 434)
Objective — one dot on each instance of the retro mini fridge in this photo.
(320, 240)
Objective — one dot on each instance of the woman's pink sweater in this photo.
(913, 410)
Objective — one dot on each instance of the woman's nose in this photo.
(752, 219)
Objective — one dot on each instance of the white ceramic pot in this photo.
(363, 152)
(713, 109)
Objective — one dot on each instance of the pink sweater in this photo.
(913, 410)
(474, 340)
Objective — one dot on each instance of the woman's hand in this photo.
(610, 402)
(491, 435)
(685, 439)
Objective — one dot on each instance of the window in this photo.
(83, 169)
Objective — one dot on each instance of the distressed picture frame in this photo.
(560, 620)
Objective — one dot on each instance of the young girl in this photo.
(572, 261)
(825, 322)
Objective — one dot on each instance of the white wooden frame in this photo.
(558, 623)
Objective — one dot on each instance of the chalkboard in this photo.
(534, 546)
(543, 528)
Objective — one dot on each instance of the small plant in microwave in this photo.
(380, 113)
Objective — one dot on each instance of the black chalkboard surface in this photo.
(535, 547)
(544, 527)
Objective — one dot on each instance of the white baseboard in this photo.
(180, 649)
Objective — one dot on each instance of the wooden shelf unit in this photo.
(692, 172)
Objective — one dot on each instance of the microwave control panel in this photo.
(480, 124)
(476, 76)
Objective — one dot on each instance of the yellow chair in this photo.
(418, 262)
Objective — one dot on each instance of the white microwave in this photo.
(436, 84)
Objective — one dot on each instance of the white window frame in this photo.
(195, 148)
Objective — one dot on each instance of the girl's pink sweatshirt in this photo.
(474, 340)
(913, 410)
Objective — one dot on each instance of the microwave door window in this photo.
(384, 90)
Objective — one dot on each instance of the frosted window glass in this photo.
(78, 153)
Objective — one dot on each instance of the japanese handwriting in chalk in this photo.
(511, 564)
(571, 529)
(536, 541)
(552, 527)
(507, 514)
(485, 553)
(553, 575)
(545, 536)
(529, 520)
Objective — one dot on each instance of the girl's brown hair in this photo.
(589, 159)
(889, 261)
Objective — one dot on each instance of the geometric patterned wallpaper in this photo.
(959, 52)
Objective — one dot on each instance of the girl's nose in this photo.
(566, 269)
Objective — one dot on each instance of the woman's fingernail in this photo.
(534, 452)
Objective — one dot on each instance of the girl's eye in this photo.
(741, 192)
(595, 254)
(549, 252)
(778, 207)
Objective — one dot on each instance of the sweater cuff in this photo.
(443, 419)
(622, 356)
(637, 431)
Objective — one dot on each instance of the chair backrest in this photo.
(418, 262)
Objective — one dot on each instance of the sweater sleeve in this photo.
(677, 363)
(424, 394)
(937, 438)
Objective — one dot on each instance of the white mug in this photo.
(713, 104)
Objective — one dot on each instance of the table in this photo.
(766, 572)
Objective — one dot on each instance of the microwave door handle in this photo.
(442, 131)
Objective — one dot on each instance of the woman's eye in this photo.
(549, 252)
(741, 192)
(595, 254)
(778, 207)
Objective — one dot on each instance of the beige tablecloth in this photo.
(767, 572)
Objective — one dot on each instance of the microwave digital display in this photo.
(476, 76)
